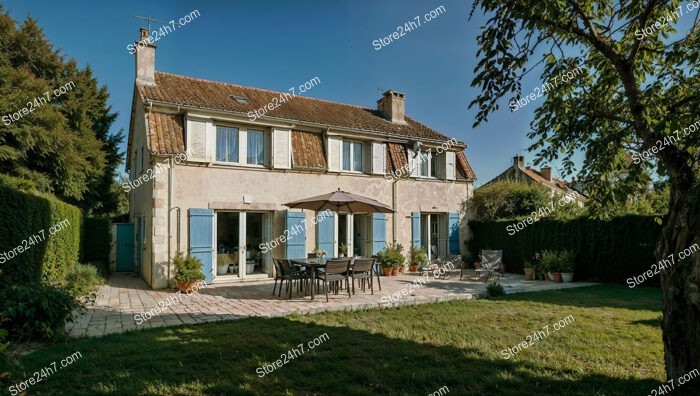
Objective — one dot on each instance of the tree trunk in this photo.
(681, 296)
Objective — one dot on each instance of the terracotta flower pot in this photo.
(414, 267)
(184, 286)
(477, 264)
(529, 274)
(402, 269)
(395, 271)
(387, 271)
(557, 277)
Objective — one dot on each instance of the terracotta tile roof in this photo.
(187, 91)
(397, 159)
(557, 184)
(464, 166)
(167, 130)
(308, 151)
(166, 133)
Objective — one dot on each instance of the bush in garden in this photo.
(36, 311)
(495, 289)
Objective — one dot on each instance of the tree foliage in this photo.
(637, 97)
(62, 146)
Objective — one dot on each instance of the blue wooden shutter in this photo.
(202, 239)
(295, 233)
(378, 232)
(453, 229)
(415, 229)
(325, 234)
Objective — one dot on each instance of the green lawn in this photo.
(613, 346)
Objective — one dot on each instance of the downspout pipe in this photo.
(170, 208)
(394, 206)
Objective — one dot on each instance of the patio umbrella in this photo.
(341, 201)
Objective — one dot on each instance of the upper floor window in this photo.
(227, 144)
(256, 147)
(352, 156)
(427, 165)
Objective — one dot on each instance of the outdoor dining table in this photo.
(313, 264)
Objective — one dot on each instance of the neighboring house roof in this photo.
(557, 184)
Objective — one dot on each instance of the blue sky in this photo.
(280, 44)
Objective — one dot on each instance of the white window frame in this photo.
(352, 156)
(265, 148)
(243, 145)
(216, 147)
(419, 165)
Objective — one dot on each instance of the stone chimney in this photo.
(393, 107)
(145, 59)
(518, 161)
(546, 173)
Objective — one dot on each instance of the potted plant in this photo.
(549, 263)
(391, 259)
(320, 253)
(465, 262)
(343, 250)
(189, 272)
(567, 259)
(417, 258)
(554, 266)
(529, 271)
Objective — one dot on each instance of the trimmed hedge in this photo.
(607, 250)
(47, 259)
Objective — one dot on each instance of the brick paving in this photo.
(126, 295)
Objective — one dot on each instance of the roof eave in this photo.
(401, 138)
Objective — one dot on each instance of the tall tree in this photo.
(54, 141)
(637, 88)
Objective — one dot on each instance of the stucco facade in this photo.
(208, 180)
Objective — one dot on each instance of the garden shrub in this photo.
(606, 250)
(82, 280)
(4, 361)
(35, 311)
(495, 289)
(48, 259)
(508, 199)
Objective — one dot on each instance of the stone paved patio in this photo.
(125, 296)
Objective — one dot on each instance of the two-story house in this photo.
(210, 180)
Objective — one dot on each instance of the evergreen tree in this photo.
(55, 142)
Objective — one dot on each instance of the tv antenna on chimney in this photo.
(149, 19)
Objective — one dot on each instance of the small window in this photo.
(226, 144)
(352, 156)
(256, 147)
(426, 164)
(239, 99)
